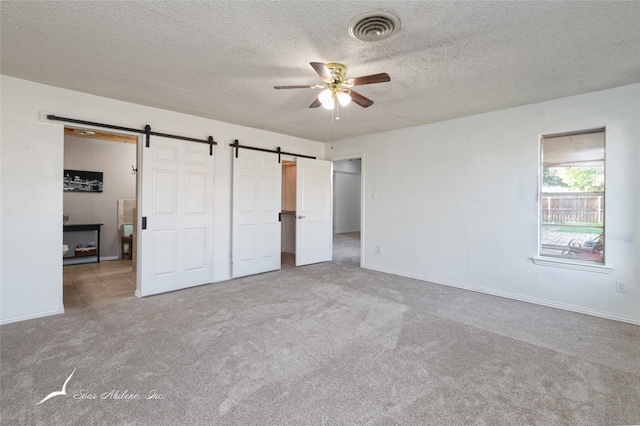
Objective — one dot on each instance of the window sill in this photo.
(572, 264)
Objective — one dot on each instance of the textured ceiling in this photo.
(221, 59)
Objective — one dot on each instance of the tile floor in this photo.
(91, 284)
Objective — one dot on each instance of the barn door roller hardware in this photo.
(278, 151)
(147, 131)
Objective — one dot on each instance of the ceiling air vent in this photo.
(374, 26)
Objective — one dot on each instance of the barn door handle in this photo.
(300, 217)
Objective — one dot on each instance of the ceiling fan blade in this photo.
(360, 100)
(315, 104)
(314, 86)
(322, 71)
(383, 77)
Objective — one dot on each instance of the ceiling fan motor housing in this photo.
(337, 71)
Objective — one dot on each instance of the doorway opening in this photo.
(99, 217)
(288, 215)
(257, 212)
(347, 209)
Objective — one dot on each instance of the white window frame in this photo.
(563, 262)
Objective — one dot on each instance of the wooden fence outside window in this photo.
(583, 207)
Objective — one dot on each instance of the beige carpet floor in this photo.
(325, 344)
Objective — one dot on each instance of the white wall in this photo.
(347, 192)
(114, 160)
(31, 217)
(457, 202)
(31, 170)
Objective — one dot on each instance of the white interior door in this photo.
(314, 236)
(177, 200)
(257, 198)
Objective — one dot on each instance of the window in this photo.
(572, 197)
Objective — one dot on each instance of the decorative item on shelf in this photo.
(65, 219)
(86, 249)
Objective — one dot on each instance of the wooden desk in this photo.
(86, 227)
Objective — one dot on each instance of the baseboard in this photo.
(32, 316)
(89, 259)
(507, 295)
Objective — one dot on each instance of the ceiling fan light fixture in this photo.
(337, 87)
(84, 132)
(343, 98)
(326, 98)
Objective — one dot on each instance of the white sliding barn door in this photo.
(257, 189)
(177, 200)
(314, 236)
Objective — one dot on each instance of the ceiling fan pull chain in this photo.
(333, 112)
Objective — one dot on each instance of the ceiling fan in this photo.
(338, 87)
